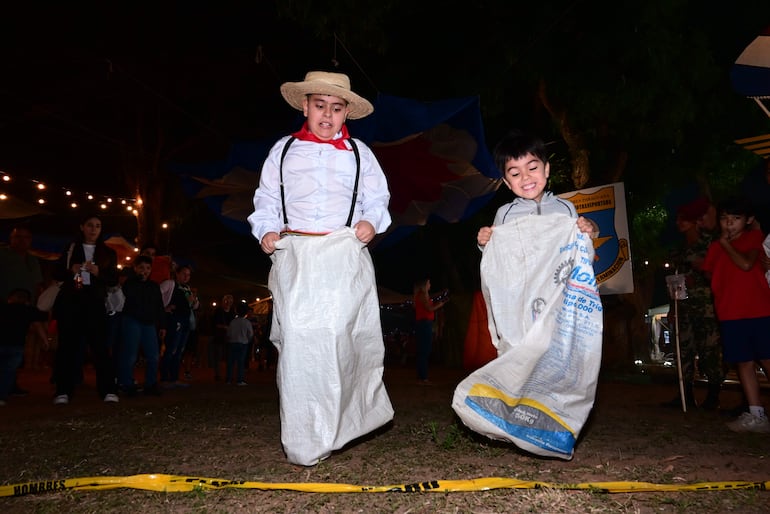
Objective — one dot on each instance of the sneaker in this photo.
(62, 399)
(111, 398)
(747, 422)
(243, 383)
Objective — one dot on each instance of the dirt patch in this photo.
(226, 432)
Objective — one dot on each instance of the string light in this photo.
(71, 195)
(37, 188)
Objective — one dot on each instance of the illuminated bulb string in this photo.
(37, 191)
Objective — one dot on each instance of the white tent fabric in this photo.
(326, 326)
(545, 319)
(750, 74)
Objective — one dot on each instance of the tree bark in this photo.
(579, 155)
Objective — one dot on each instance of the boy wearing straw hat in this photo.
(322, 197)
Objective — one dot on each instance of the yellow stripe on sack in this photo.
(488, 391)
(177, 483)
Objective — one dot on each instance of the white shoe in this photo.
(111, 398)
(62, 399)
(747, 422)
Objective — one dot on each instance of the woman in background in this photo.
(424, 314)
(86, 268)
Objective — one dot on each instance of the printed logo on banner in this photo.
(611, 250)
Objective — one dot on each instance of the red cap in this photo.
(694, 210)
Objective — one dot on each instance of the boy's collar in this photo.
(304, 134)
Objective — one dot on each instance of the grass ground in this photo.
(233, 433)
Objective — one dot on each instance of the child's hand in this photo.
(268, 242)
(364, 231)
(485, 233)
(589, 227)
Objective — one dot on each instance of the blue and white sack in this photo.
(545, 319)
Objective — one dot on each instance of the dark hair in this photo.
(89, 216)
(242, 308)
(142, 259)
(515, 145)
(737, 206)
(20, 294)
(24, 225)
(83, 220)
(420, 283)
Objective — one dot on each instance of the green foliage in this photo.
(646, 226)
(450, 439)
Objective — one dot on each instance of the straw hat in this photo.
(326, 83)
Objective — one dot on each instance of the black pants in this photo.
(82, 327)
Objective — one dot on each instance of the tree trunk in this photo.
(579, 155)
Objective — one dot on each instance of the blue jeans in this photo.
(236, 358)
(10, 360)
(423, 331)
(176, 339)
(136, 334)
(113, 340)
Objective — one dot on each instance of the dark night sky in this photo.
(83, 91)
(73, 81)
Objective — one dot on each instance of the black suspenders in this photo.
(355, 185)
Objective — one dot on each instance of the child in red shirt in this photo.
(742, 303)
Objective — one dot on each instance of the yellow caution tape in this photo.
(176, 483)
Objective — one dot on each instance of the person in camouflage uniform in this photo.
(698, 326)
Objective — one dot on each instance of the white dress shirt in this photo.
(318, 188)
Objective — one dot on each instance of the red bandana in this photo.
(304, 134)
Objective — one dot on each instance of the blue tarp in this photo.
(434, 155)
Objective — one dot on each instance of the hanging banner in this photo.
(606, 206)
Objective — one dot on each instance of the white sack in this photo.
(545, 319)
(326, 326)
